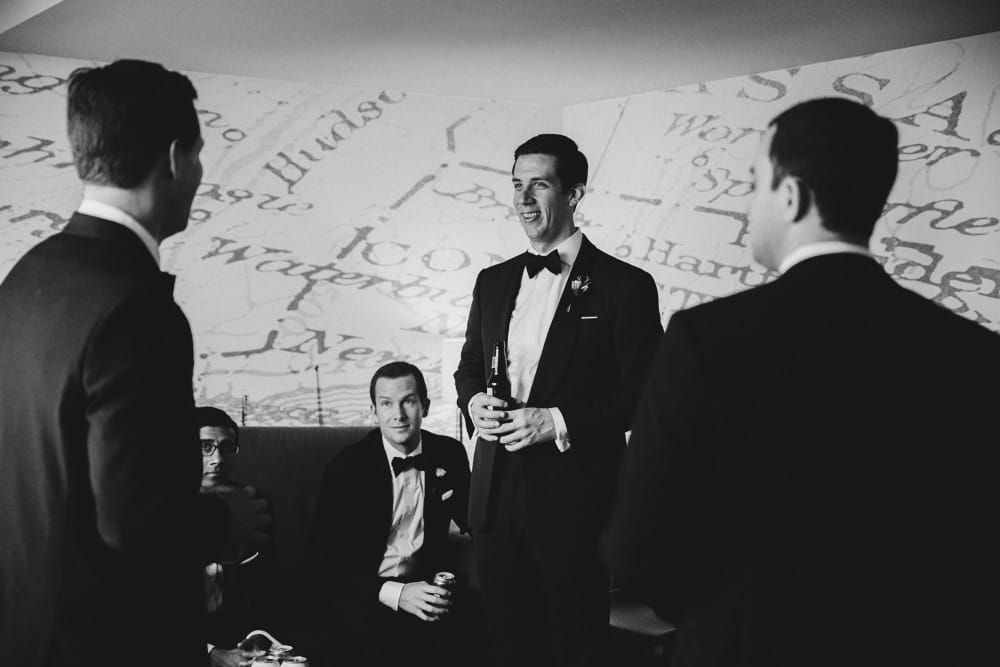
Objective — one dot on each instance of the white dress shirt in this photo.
(115, 214)
(535, 307)
(808, 250)
(406, 535)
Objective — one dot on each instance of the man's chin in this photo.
(402, 438)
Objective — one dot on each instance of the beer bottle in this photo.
(499, 384)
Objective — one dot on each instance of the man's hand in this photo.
(524, 427)
(425, 601)
(251, 518)
(484, 419)
(234, 658)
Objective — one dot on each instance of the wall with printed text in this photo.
(340, 228)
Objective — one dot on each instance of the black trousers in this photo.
(372, 635)
(545, 592)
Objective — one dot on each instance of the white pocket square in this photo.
(447, 494)
(588, 317)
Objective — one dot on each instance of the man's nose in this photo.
(523, 196)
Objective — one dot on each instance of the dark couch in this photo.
(287, 463)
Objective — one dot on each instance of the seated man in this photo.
(380, 533)
(239, 589)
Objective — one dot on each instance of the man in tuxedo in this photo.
(239, 588)
(581, 327)
(103, 530)
(806, 482)
(380, 533)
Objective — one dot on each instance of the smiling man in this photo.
(581, 328)
(380, 531)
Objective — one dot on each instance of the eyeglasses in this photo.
(226, 447)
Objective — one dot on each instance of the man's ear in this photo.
(796, 197)
(576, 194)
(427, 407)
(175, 158)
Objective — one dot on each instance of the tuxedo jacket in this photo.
(353, 517)
(103, 530)
(806, 482)
(593, 363)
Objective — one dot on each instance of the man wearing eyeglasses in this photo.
(237, 589)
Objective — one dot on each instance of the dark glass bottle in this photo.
(499, 384)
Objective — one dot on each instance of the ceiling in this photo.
(543, 51)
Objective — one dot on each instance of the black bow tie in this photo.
(535, 263)
(401, 463)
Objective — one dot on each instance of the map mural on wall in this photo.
(671, 182)
(338, 228)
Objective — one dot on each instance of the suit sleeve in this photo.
(635, 330)
(665, 514)
(470, 377)
(339, 557)
(144, 465)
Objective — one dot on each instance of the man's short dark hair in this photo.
(845, 153)
(398, 369)
(207, 416)
(571, 164)
(122, 118)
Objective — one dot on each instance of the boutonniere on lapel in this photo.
(440, 472)
(578, 287)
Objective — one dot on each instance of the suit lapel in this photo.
(430, 478)
(559, 341)
(494, 328)
(378, 469)
(508, 295)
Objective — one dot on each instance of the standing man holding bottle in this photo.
(580, 328)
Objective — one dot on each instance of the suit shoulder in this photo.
(499, 269)
(351, 455)
(727, 307)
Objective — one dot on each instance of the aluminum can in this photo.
(444, 580)
(294, 661)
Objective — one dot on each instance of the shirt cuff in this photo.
(562, 434)
(390, 593)
(210, 647)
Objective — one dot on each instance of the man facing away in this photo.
(240, 587)
(581, 328)
(103, 531)
(380, 534)
(806, 482)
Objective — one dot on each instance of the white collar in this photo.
(393, 453)
(569, 249)
(808, 250)
(114, 214)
